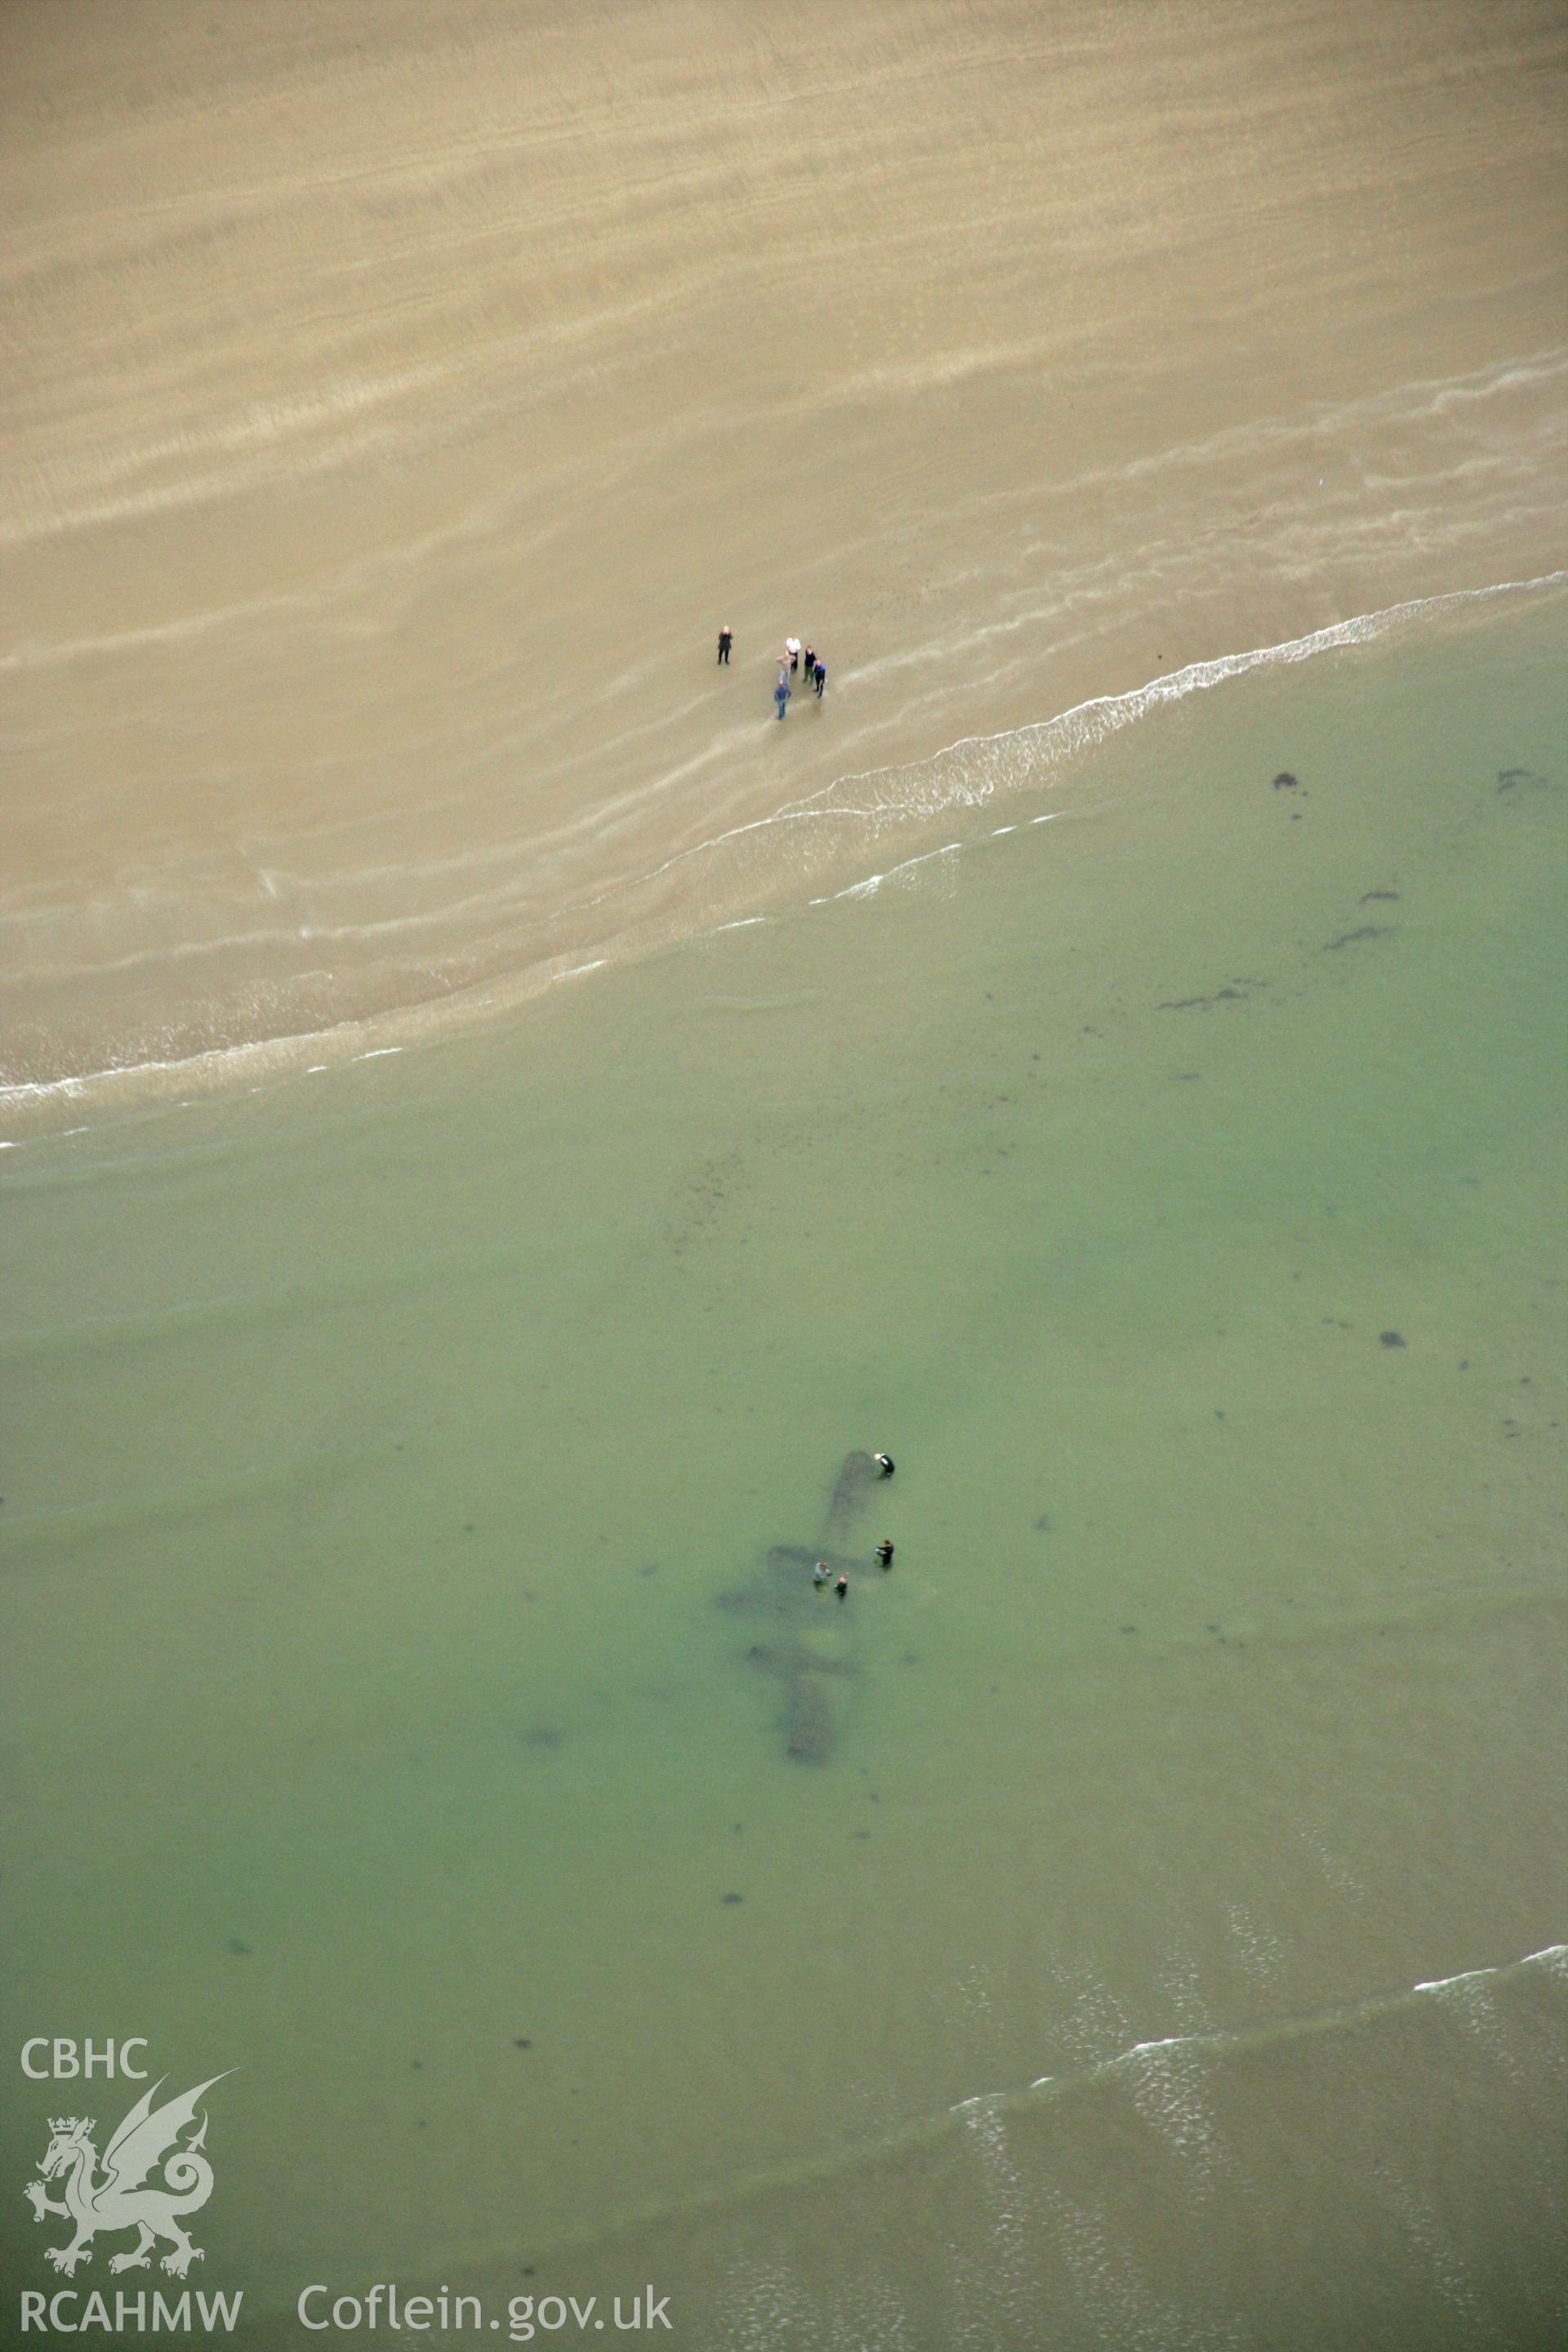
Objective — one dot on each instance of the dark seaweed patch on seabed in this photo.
(1231, 994)
(1362, 931)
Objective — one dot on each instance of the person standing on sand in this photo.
(819, 676)
(781, 694)
(791, 647)
(726, 639)
(810, 661)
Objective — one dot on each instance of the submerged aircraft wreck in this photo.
(811, 1640)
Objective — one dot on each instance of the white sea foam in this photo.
(870, 883)
(1219, 2041)
(1552, 1956)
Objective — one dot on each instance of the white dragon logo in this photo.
(147, 2138)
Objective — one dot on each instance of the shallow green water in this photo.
(1174, 1188)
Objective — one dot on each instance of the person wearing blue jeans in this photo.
(819, 676)
(780, 696)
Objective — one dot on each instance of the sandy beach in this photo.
(393, 414)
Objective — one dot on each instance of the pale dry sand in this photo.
(396, 401)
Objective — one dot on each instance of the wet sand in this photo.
(392, 414)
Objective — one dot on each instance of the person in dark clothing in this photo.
(781, 695)
(726, 639)
(809, 658)
(842, 1587)
(819, 676)
(885, 1552)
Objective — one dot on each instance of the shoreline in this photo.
(395, 423)
(29, 1109)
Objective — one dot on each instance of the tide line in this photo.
(970, 771)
